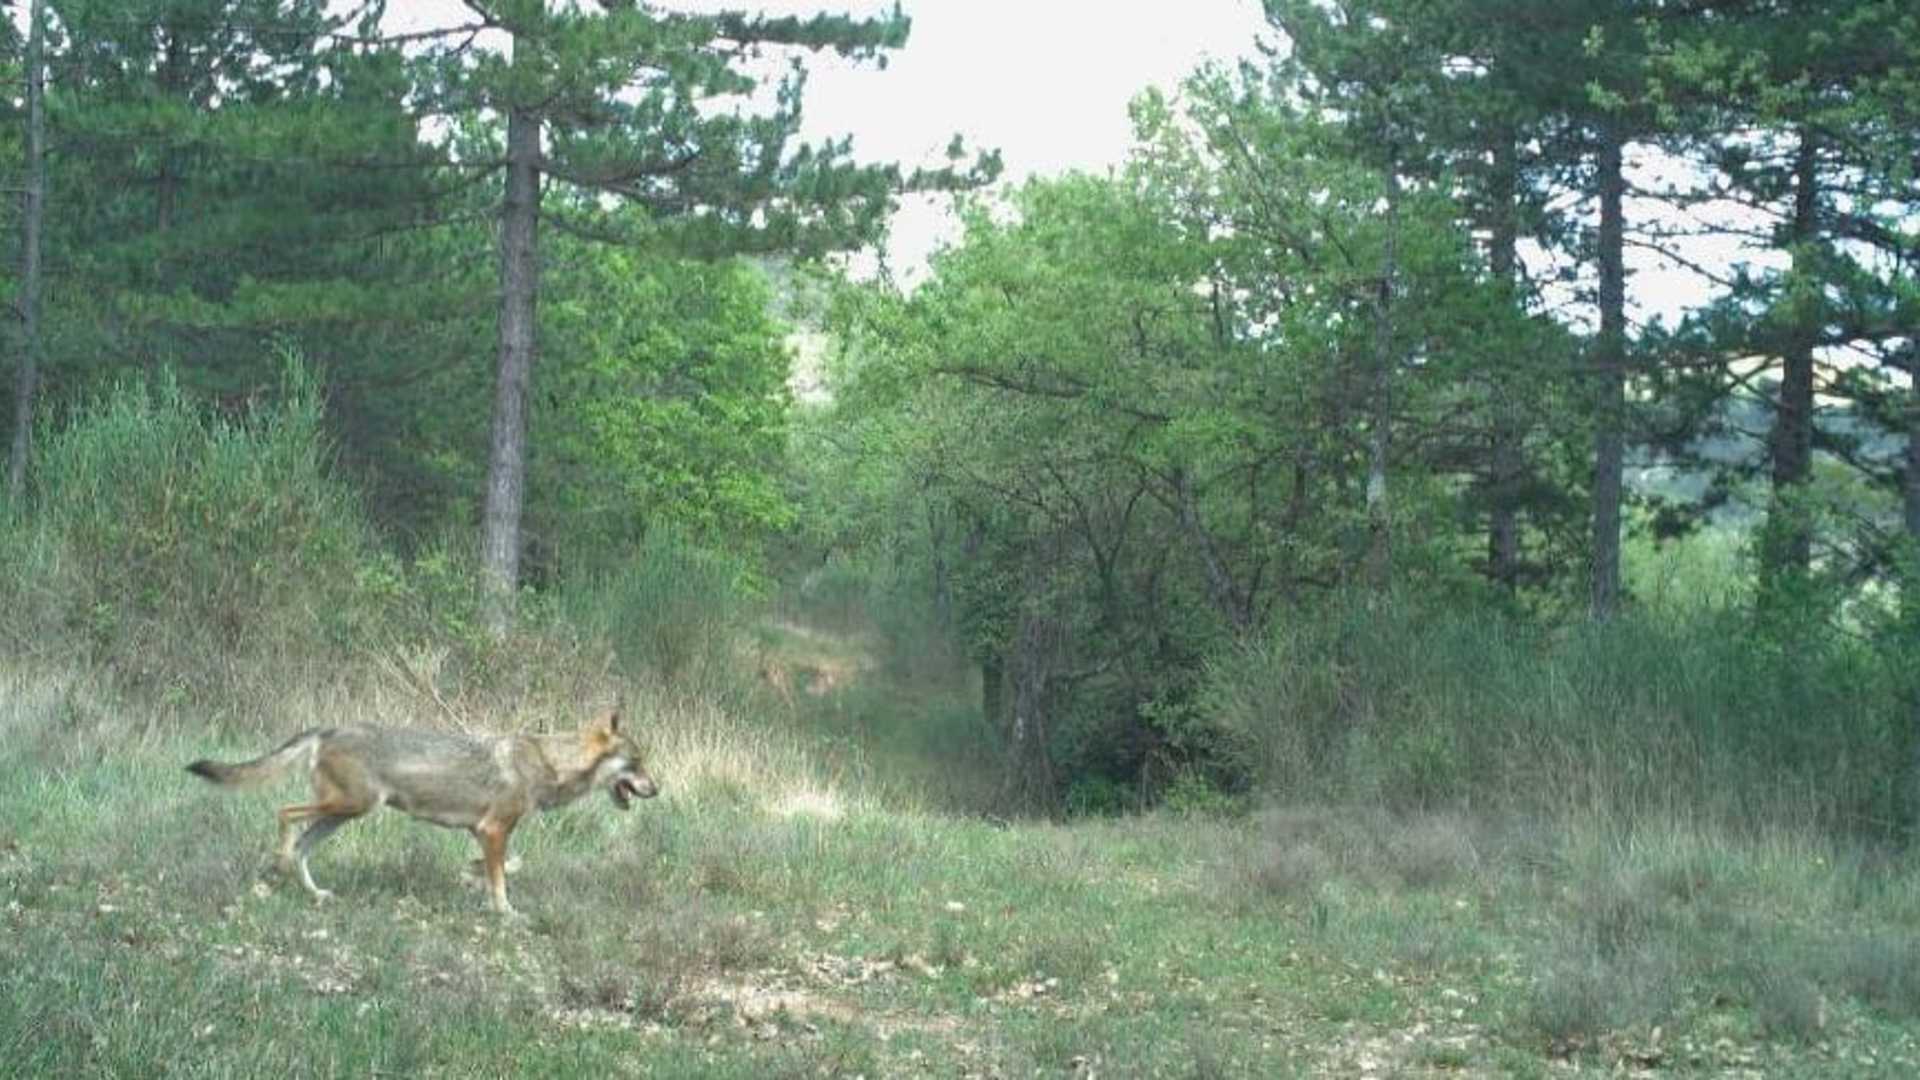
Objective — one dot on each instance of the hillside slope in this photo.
(763, 919)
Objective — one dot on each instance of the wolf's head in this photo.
(620, 764)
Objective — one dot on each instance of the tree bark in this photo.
(1504, 465)
(1790, 547)
(1910, 493)
(1910, 591)
(942, 575)
(1609, 451)
(1380, 403)
(1036, 654)
(993, 690)
(519, 295)
(27, 373)
(1227, 597)
(173, 86)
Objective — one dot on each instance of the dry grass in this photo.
(770, 914)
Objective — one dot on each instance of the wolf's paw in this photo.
(321, 896)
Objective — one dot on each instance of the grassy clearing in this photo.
(765, 918)
(1649, 881)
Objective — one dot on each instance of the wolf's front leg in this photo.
(492, 835)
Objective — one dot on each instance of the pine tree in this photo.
(666, 113)
(1469, 98)
(227, 175)
(1796, 108)
(32, 228)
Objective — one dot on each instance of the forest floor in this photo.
(750, 923)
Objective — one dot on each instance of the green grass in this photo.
(1506, 848)
(1658, 713)
(764, 919)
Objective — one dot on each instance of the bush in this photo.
(1670, 712)
(184, 549)
(674, 610)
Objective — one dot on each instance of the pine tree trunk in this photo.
(1380, 404)
(1609, 451)
(519, 293)
(27, 373)
(173, 88)
(1910, 493)
(1504, 464)
(1789, 551)
(1910, 507)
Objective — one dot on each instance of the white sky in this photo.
(1047, 82)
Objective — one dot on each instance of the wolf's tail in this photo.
(266, 767)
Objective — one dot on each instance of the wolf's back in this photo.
(266, 767)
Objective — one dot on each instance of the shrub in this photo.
(674, 609)
(184, 549)
(1665, 712)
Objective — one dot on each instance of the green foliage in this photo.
(180, 547)
(1098, 796)
(207, 559)
(1191, 794)
(1654, 713)
(1131, 419)
(667, 409)
(673, 610)
(667, 113)
(211, 189)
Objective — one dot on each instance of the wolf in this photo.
(484, 785)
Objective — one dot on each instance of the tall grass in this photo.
(771, 913)
(1676, 712)
(216, 568)
(183, 549)
(673, 610)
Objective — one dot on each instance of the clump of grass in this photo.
(186, 551)
(1621, 913)
(737, 863)
(610, 987)
(674, 612)
(1298, 850)
(1880, 968)
(1434, 850)
(1582, 993)
(1290, 872)
(1072, 954)
(1658, 714)
(1789, 1005)
(1426, 946)
(647, 961)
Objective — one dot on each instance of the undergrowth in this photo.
(1659, 713)
(1477, 847)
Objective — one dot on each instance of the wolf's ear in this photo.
(612, 722)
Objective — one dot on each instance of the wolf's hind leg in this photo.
(313, 837)
(303, 828)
